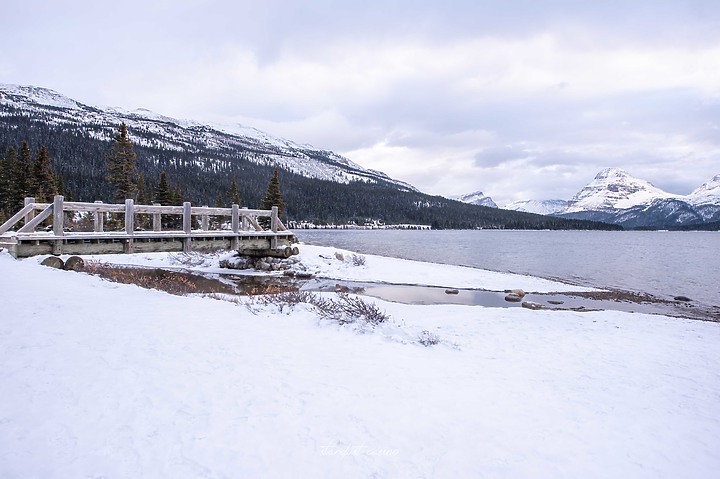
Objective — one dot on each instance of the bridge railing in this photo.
(241, 219)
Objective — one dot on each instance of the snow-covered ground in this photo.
(108, 380)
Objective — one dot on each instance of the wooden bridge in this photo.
(233, 228)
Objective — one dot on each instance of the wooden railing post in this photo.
(187, 226)
(129, 216)
(205, 221)
(157, 219)
(235, 221)
(245, 225)
(58, 215)
(58, 223)
(274, 219)
(28, 217)
(99, 219)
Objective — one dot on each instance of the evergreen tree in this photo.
(233, 194)
(6, 182)
(42, 180)
(219, 203)
(19, 186)
(60, 187)
(140, 187)
(177, 197)
(121, 169)
(163, 194)
(272, 197)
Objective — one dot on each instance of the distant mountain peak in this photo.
(615, 188)
(476, 198)
(540, 207)
(708, 192)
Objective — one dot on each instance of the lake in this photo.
(662, 263)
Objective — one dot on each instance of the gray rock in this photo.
(531, 305)
(452, 291)
(513, 298)
(339, 256)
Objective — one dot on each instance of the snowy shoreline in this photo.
(112, 380)
(322, 262)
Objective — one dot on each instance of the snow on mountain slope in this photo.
(155, 130)
(708, 192)
(614, 188)
(541, 207)
(476, 198)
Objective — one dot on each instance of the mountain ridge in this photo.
(173, 133)
(617, 197)
(201, 161)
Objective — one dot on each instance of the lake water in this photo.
(664, 264)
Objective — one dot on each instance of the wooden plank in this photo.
(44, 214)
(206, 210)
(153, 209)
(93, 207)
(15, 218)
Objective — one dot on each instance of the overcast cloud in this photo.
(519, 99)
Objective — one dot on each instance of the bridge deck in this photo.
(245, 232)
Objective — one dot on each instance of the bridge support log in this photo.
(275, 253)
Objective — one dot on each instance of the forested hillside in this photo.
(204, 174)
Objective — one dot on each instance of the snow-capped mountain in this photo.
(540, 207)
(706, 199)
(613, 189)
(476, 198)
(155, 130)
(614, 196)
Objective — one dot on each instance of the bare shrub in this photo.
(349, 309)
(285, 298)
(345, 309)
(427, 338)
(358, 260)
(168, 281)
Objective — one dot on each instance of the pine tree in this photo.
(219, 202)
(272, 197)
(177, 197)
(121, 169)
(140, 187)
(19, 185)
(60, 187)
(3, 191)
(42, 180)
(233, 194)
(6, 178)
(163, 194)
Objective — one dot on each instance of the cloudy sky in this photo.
(518, 98)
